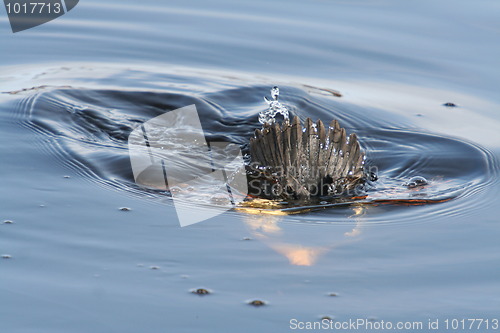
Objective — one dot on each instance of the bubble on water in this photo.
(175, 189)
(416, 181)
(125, 209)
(275, 107)
(220, 199)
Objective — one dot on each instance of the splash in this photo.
(275, 107)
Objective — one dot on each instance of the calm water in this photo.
(73, 89)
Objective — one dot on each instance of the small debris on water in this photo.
(154, 267)
(333, 294)
(6, 256)
(125, 209)
(450, 105)
(416, 181)
(257, 303)
(201, 291)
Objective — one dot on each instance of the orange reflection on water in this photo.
(299, 255)
(266, 228)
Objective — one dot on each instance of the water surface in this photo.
(73, 89)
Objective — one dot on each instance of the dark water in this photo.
(73, 89)
(88, 131)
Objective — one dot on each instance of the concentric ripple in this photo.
(86, 126)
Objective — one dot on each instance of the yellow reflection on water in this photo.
(265, 226)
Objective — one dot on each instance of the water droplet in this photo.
(275, 107)
(275, 93)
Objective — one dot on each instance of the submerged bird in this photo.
(295, 161)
